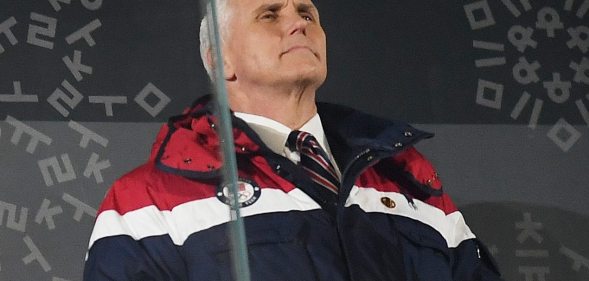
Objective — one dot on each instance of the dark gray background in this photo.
(410, 60)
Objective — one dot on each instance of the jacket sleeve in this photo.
(119, 249)
(472, 261)
(468, 257)
(119, 258)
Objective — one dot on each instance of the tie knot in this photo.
(314, 160)
(297, 140)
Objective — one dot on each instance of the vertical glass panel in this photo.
(228, 187)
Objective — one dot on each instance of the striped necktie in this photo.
(314, 159)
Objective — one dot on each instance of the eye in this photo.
(268, 16)
(307, 17)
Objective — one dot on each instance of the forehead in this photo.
(252, 5)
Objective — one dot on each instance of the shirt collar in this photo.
(274, 133)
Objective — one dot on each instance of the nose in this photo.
(297, 24)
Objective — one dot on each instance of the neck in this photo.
(292, 106)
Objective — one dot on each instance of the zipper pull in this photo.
(410, 200)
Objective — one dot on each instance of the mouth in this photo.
(297, 48)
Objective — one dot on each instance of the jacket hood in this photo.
(189, 145)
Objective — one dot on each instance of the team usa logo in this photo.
(248, 192)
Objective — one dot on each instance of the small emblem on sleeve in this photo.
(248, 193)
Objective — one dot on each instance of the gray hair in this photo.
(223, 15)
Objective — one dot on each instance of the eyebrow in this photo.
(303, 7)
(274, 7)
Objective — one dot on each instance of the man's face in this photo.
(275, 42)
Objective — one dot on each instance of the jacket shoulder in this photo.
(147, 185)
(422, 180)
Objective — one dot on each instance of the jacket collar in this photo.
(349, 132)
(189, 145)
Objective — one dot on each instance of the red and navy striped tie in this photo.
(314, 159)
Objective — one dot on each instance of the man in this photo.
(376, 211)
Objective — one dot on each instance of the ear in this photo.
(209, 57)
(227, 66)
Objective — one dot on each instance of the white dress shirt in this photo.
(274, 134)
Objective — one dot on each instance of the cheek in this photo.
(323, 41)
(254, 60)
(262, 53)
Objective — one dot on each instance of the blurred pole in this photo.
(237, 229)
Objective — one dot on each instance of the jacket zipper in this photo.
(345, 174)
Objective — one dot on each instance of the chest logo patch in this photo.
(248, 192)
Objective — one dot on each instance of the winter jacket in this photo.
(169, 219)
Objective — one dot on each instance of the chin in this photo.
(305, 77)
(309, 74)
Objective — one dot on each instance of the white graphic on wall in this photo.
(533, 29)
